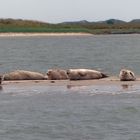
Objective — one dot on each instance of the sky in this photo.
(56, 11)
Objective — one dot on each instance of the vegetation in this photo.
(111, 26)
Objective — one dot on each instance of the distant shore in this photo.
(43, 34)
(17, 27)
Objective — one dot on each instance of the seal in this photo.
(84, 74)
(127, 75)
(57, 74)
(24, 75)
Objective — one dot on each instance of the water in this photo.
(96, 112)
(108, 53)
(70, 113)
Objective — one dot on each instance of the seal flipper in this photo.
(104, 75)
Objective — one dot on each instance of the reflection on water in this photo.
(127, 86)
(112, 89)
(1, 88)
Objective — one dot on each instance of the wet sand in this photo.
(106, 81)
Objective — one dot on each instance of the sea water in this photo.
(108, 53)
(95, 112)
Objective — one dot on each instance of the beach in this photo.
(42, 34)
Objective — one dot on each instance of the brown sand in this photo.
(105, 81)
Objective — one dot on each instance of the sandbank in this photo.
(42, 34)
(101, 82)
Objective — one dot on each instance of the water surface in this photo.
(109, 53)
(70, 113)
(95, 112)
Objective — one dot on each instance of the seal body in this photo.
(57, 74)
(84, 74)
(127, 75)
(24, 75)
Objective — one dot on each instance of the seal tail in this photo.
(104, 75)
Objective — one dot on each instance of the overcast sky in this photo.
(55, 11)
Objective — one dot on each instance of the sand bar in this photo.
(106, 81)
(42, 34)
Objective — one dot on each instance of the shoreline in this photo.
(109, 85)
(100, 82)
(53, 34)
(42, 34)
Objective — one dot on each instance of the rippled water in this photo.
(96, 112)
(108, 53)
(70, 113)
